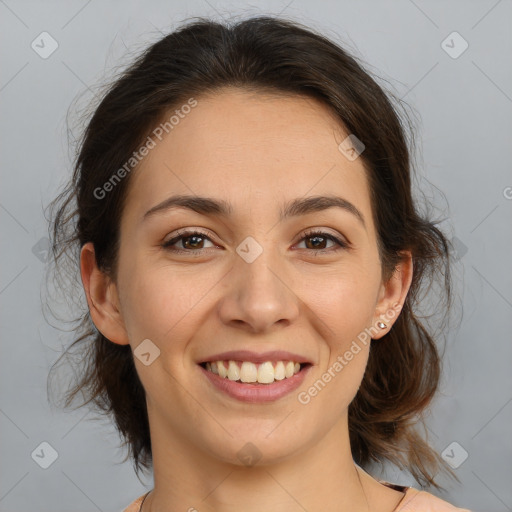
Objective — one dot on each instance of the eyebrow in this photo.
(219, 207)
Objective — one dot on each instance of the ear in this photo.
(102, 298)
(392, 296)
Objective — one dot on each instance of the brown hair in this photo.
(262, 54)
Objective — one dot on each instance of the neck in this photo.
(320, 477)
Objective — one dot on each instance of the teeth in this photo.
(248, 372)
(233, 371)
(221, 369)
(279, 371)
(266, 373)
(288, 369)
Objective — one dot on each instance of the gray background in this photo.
(465, 131)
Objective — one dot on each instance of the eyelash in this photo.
(307, 234)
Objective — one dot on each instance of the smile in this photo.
(254, 383)
(249, 372)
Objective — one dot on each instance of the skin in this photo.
(257, 152)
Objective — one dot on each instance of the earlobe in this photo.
(392, 295)
(102, 297)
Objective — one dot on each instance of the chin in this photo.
(252, 445)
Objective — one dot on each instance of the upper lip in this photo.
(255, 357)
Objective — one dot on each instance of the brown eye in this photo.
(317, 240)
(190, 240)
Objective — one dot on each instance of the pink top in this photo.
(413, 501)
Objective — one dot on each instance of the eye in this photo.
(193, 241)
(318, 239)
(189, 240)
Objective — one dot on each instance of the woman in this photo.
(252, 257)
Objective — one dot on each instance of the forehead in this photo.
(255, 150)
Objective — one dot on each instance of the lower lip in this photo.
(256, 393)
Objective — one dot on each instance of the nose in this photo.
(259, 295)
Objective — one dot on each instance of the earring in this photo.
(381, 325)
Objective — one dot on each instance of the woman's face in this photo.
(254, 280)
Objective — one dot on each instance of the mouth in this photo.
(254, 383)
(252, 377)
(249, 372)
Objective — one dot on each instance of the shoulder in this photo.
(422, 501)
(135, 505)
(413, 501)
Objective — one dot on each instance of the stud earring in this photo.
(381, 325)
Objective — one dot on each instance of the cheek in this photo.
(344, 303)
(343, 300)
(157, 303)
